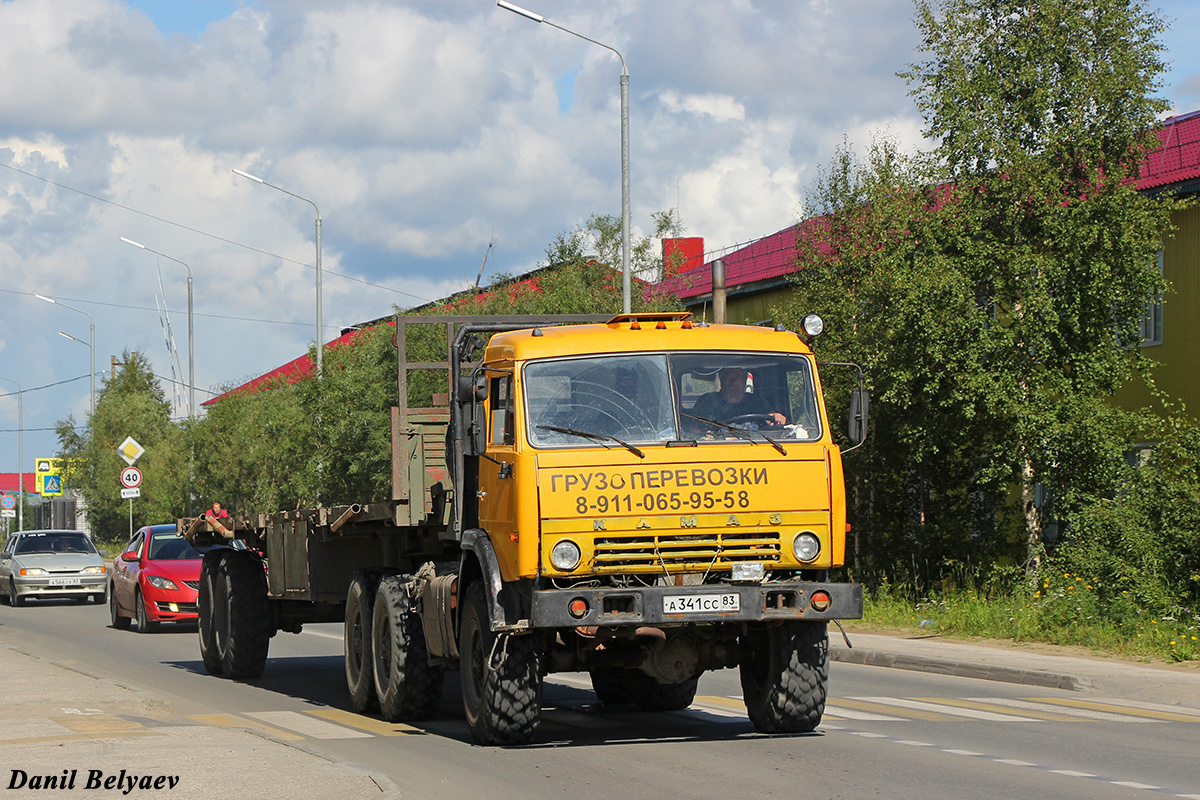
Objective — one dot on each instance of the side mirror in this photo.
(860, 402)
(472, 389)
(129, 555)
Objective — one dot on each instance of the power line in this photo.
(210, 235)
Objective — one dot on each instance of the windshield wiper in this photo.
(590, 435)
(738, 431)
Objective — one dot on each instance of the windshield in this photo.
(171, 547)
(618, 400)
(54, 543)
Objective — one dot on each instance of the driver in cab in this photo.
(732, 401)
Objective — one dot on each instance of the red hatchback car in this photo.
(154, 580)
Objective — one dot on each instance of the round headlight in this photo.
(565, 556)
(812, 324)
(806, 546)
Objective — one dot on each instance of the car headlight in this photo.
(565, 555)
(27, 571)
(806, 546)
(160, 582)
(93, 570)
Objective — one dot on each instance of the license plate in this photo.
(66, 582)
(701, 603)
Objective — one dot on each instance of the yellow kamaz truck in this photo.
(642, 498)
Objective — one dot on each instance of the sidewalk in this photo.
(1028, 664)
(60, 723)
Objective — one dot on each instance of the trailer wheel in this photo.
(360, 604)
(784, 671)
(242, 616)
(408, 686)
(501, 682)
(207, 603)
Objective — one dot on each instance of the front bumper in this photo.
(646, 605)
(46, 586)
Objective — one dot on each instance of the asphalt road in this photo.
(887, 733)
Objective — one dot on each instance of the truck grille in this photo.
(684, 552)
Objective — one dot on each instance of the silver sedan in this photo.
(51, 564)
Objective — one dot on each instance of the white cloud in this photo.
(423, 129)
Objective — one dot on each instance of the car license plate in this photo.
(700, 603)
(65, 582)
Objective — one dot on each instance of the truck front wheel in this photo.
(501, 681)
(206, 604)
(241, 615)
(360, 607)
(785, 671)
(408, 686)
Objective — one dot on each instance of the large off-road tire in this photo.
(242, 617)
(145, 624)
(119, 622)
(650, 695)
(360, 677)
(501, 688)
(616, 685)
(207, 602)
(407, 685)
(785, 672)
(611, 685)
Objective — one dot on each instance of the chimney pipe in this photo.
(718, 290)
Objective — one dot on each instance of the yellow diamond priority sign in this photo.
(130, 450)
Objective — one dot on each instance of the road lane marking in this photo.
(306, 725)
(964, 752)
(1013, 762)
(32, 728)
(323, 635)
(997, 706)
(234, 721)
(1136, 785)
(376, 726)
(1072, 773)
(939, 708)
(102, 723)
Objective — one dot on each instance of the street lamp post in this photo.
(91, 344)
(320, 337)
(191, 337)
(625, 281)
(20, 453)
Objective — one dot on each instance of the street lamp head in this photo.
(132, 242)
(507, 6)
(245, 174)
(47, 299)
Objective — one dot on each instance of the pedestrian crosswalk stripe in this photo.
(987, 704)
(234, 721)
(857, 704)
(1036, 706)
(970, 713)
(370, 724)
(842, 712)
(307, 725)
(1123, 710)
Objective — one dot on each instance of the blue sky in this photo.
(428, 132)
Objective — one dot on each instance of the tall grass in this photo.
(1059, 608)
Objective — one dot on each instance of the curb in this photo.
(962, 669)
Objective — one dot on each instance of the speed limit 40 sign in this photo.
(131, 477)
